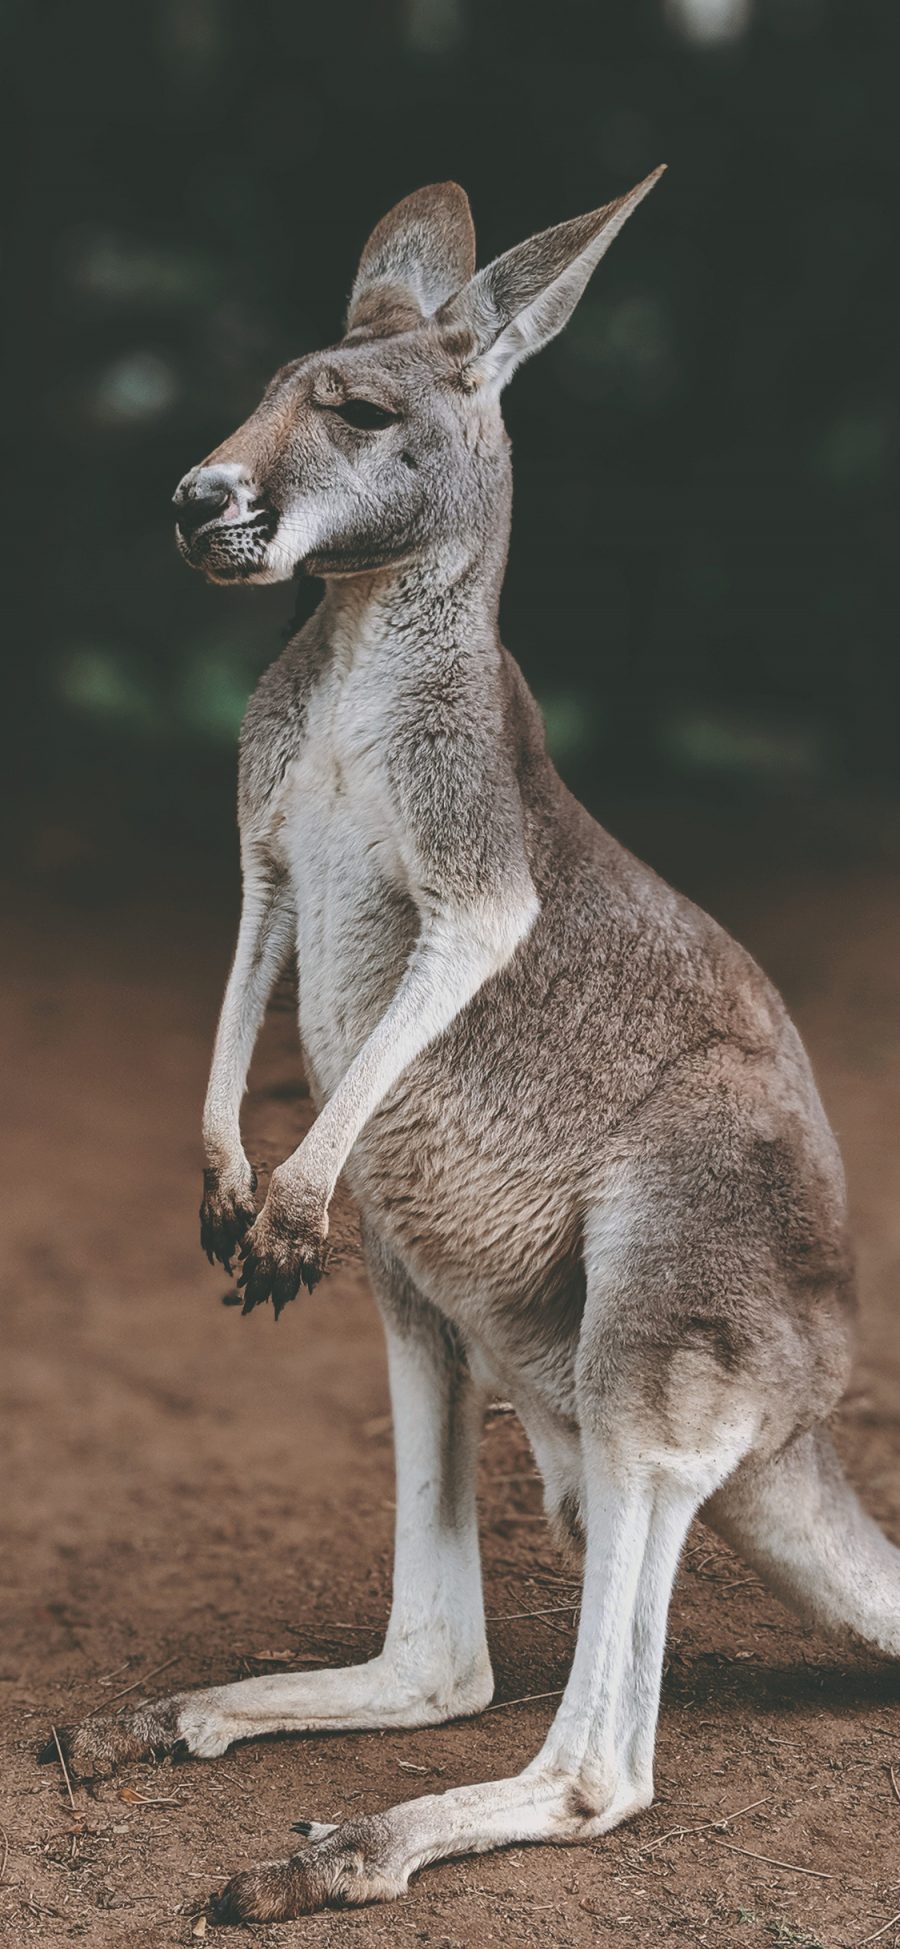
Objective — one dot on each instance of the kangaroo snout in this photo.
(221, 523)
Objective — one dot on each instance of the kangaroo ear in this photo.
(416, 258)
(518, 303)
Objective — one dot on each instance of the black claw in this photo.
(256, 1290)
(260, 1279)
(223, 1228)
(284, 1288)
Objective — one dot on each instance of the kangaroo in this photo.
(593, 1169)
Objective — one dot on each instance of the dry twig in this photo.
(106, 1676)
(133, 1798)
(792, 1867)
(65, 1769)
(720, 1820)
(152, 1673)
(882, 1931)
(513, 1617)
(500, 1705)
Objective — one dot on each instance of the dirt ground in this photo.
(191, 1497)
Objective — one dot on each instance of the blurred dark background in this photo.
(701, 583)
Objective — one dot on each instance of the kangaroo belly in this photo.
(455, 1170)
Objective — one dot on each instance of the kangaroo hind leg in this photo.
(657, 1438)
(435, 1663)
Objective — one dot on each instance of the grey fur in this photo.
(594, 1169)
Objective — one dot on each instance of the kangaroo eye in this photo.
(363, 413)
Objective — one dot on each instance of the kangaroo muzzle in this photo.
(222, 525)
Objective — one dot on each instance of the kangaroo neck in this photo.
(438, 608)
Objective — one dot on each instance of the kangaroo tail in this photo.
(797, 1522)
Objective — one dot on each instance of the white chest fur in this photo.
(342, 841)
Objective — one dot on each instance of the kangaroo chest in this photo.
(342, 842)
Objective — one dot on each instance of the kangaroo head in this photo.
(391, 443)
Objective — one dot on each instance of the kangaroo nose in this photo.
(201, 507)
(205, 493)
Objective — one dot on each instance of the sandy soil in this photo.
(196, 1496)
